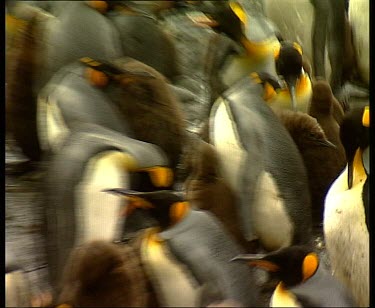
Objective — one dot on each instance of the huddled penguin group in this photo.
(150, 203)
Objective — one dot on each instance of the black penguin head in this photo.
(292, 265)
(166, 206)
(288, 60)
(354, 135)
(226, 16)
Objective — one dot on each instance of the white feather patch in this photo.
(174, 284)
(347, 238)
(97, 212)
(225, 138)
(270, 220)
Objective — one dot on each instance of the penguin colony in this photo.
(280, 154)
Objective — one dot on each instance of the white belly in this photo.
(224, 136)
(347, 238)
(270, 220)
(97, 213)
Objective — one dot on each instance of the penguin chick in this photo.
(323, 104)
(303, 281)
(20, 106)
(320, 156)
(151, 109)
(207, 190)
(102, 274)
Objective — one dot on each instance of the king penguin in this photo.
(295, 94)
(262, 164)
(252, 32)
(346, 213)
(190, 249)
(304, 281)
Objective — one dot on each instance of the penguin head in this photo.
(288, 61)
(292, 265)
(166, 206)
(322, 96)
(354, 135)
(304, 129)
(227, 17)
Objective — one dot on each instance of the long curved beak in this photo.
(291, 82)
(248, 257)
(326, 143)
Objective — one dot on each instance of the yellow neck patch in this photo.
(359, 172)
(297, 47)
(160, 176)
(283, 298)
(310, 265)
(269, 92)
(366, 117)
(260, 50)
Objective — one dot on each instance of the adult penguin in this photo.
(319, 18)
(289, 66)
(90, 158)
(263, 166)
(125, 95)
(189, 243)
(304, 281)
(322, 159)
(255, 36)
(346, 213)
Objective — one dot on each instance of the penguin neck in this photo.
(359, 172)
(282, 297)
(171, 214)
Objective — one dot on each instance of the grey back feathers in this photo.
(200, 242)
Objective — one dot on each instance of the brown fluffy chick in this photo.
(20, 100)
(207, 190)
(328, 111)
(102, 274)
(151, 109)
(323, 105)
(322, 160)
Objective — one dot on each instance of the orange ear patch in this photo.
(97, 78)
(100, 6)
(178, 211)
(310, 265)
(298, 47)
(366, 117)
